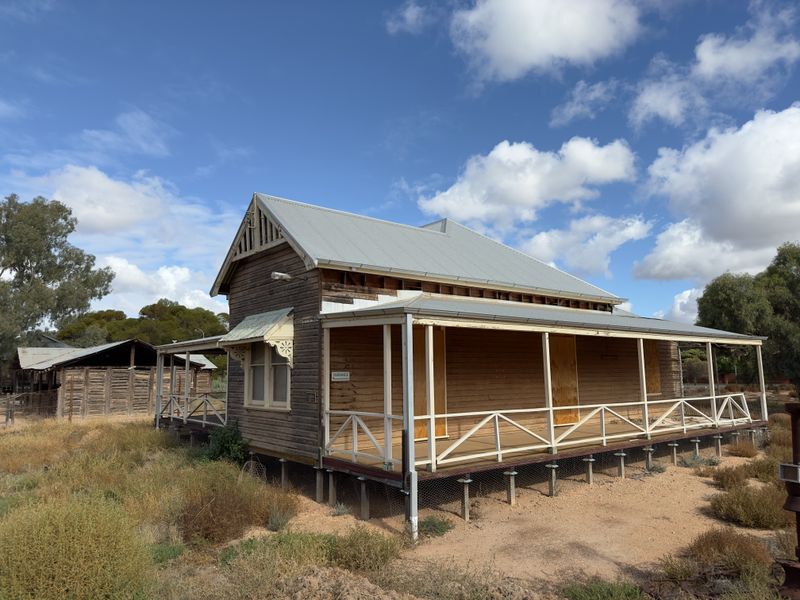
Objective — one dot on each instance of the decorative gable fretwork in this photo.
(258, 232)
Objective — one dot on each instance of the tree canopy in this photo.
(158, 323)
(43, 278)
(766, 304)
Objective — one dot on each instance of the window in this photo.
(267, 377)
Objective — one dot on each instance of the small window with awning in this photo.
(264, 343)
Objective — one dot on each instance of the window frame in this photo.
(269, 400)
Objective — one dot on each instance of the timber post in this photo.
(364, 499)
(790, 474)
(553, 480)
(511, 486)
(410, 474)
(331, 488)
(320, 491)
(284, 474)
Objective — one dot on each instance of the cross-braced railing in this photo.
(496, 434)
(205, 409)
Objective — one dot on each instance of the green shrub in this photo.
(657, 467)
(764, 469)
(731, 553)
(757, 507)
(79, 548)
(227, 443)
(786, 543)
(434, 526)
(694, 462)
(163, 553)
(340, 509)
(598, 589)
(364, 550)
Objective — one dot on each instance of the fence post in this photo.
(387, 397)
(643, 388)
(761, 385)
(711, 383)
(548, 392)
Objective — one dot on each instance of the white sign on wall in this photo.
(340, 375)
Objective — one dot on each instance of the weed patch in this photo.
(433, 526)
(603, 590)
(82, 548)
(756, 507)
(743, 448)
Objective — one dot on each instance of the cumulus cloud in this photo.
(744, 67)
(737, 194)
(504, 40)
(411, 18)
(134, 288)
(514, 180)
(684, 307)
(25, 10)
(587, 244)
(585, 101)
(135, 131)
(143, 228)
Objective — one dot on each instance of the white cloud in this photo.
(515, 180)
(684, 307)
(586, 246)
(749, 55)
(410, 18)
(737, 193)
(585, 101)
(144, 228)
(738, 69)
(134, 288)
(504, 40)
(135, 131)
(666, 94)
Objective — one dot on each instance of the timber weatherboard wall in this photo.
(294, 433)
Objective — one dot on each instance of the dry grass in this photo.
(756, 507)
(744, 448)
(82, 548)
(718, 563)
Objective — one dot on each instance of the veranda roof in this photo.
(591, 322)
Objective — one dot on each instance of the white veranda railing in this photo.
(206, 409)
(498, 433)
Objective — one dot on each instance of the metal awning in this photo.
(260, 328)
(478, 312)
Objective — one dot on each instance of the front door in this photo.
(564, 375)
(439, 387)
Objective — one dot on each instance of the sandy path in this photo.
(615, 527)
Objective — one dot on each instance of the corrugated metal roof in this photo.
(444, 250)
(255, 327)
(44, 358)
(496, 310)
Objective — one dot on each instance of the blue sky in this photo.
(644, 146)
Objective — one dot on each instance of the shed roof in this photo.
(442, 251)
(455, 307)
(39, 359)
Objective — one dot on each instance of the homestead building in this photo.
(405, 354)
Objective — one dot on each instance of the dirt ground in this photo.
(614, 528)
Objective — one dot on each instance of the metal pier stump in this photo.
(284, 474)
(753, 433)
(718, 445)
(331, 488)
(511, 487)
(553, 479)
(648, 457)
(465, 481)
(320, 497)
(621, 471)
(364, 499)
(674, 446)
(696, 442)
(589, 460)
(735, 437)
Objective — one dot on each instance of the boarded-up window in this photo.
(652, 366)
(564, 376)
